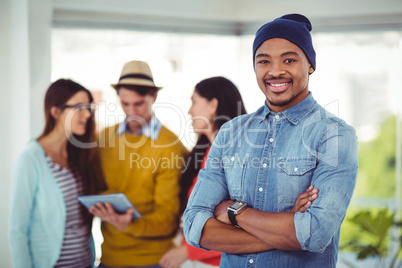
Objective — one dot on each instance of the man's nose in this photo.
(131, 111)
(276, 70)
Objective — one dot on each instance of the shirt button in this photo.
(296, 169)
(264, 165)
(260, 189)
(276, 116)
(251, 261)
(233, 159)
(271, 140)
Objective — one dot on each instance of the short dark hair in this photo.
(142, 90)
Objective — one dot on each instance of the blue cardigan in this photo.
(38, 212)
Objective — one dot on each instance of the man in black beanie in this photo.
(244, 200)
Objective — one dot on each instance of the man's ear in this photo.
(55, 112)
(310, 70)
(155, 95)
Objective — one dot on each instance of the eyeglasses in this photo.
(79, 107)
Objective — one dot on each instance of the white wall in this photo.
(25, 27)
(5, 123)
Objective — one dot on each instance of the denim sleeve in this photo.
(335, 178)
(203, 201)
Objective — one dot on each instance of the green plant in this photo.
(373, 237)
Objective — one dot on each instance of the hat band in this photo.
(136, 76)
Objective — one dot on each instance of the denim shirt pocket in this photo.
(293, 178)
(235, 169)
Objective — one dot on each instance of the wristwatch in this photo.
(235, 209)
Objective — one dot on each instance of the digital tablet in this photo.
(119, 201)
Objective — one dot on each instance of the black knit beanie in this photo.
(292, 27)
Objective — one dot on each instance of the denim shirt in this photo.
(267, 159)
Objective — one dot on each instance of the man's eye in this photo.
(289, 60)
(263, 61)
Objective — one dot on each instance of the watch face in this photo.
(237, 205)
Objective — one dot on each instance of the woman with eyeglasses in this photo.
(48, 226)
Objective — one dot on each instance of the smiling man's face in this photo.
(282, 72)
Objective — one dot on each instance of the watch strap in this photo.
(232, 218)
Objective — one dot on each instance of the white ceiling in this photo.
(225, 16)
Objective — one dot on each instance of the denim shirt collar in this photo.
(151, 130)
(295, 113)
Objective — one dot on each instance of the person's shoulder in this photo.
(33, 148)
(329, 119)
(108, 130)
(168, 142)
(166, 136)
(31, 153)
(244, 120)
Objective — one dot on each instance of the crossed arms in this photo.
(205, 219)
(255, 235)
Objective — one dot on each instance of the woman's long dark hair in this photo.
(230, 105)
(84, 161)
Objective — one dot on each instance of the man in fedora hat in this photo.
(261, 162)
(142, 159)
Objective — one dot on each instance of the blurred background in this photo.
(358, 77)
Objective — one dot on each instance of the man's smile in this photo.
(278, 86)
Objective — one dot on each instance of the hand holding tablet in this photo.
(119, 201)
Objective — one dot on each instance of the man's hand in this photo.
(221, 211)
(174, 258)
(107, 214)
(303, 201)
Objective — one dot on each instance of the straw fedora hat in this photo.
(136, 73)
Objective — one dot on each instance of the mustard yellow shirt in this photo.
(147, 171)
